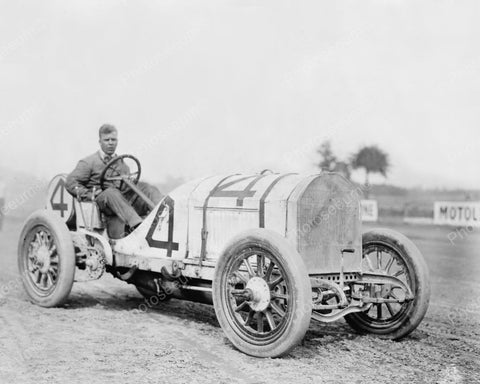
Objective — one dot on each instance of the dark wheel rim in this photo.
(383, 259)
(41, 260)
(258, 296)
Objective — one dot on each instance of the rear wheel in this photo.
(46, 259)
(262, 294)
(390, 253)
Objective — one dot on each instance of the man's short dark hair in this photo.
(105, 129)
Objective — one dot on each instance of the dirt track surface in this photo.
(100, 336)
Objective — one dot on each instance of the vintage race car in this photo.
(270, 251)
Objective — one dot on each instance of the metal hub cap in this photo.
(43, 259)
(260, 294)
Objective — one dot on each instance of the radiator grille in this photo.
(328, 219)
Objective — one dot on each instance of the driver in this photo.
(125, 205)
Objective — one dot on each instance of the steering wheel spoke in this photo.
(115, 178)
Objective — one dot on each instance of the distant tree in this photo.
(328, 158)
(329, 162)
(372, 159)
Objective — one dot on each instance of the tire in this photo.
(275, 319)
(400, 318)
(46, 259)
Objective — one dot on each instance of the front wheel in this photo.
(392, 254)
(46, 259)
(262, 294)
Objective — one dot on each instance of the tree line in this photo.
(371, 158)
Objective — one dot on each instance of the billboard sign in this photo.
(457, 213)
(369, 210)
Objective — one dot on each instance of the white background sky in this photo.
(203, 87)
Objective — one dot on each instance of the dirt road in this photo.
(101, 336)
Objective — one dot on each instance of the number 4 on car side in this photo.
(270, 251)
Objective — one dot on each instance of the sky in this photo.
(201, 88)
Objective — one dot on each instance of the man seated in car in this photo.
(84, 181)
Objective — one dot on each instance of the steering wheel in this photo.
(130, 179)
(115, 175)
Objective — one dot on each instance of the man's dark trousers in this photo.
(126, 206)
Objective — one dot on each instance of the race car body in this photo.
(317, 214)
